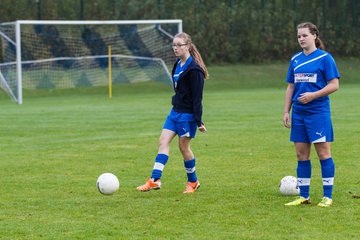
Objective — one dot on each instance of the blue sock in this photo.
(304, 175)
(328, 173)
(160, 161)
(190, 170)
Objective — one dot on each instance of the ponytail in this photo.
(198, 59)
(319, 43)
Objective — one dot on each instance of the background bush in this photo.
(225, 31)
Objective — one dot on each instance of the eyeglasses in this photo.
(179, 45)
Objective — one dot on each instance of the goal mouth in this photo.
(70, 54)
(72, 72)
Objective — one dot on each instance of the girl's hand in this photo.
(306, 97)
(287, 120)
(202, 128)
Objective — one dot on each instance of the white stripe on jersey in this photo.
(296, 56)
(328, 181)
(314, 59)
(177, 75)
(303, 181)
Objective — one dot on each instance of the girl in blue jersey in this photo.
(312, 76)
(185, 117)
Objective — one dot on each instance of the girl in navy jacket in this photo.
(185, 117)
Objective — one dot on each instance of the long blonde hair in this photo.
(194, 52)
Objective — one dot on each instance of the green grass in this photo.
(54, 146)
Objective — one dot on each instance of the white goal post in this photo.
(66, 54)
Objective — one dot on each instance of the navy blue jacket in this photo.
(189, 91)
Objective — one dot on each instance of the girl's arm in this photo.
(288, 102)
(331, 87)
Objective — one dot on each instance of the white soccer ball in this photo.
(289, 186)
(107, 183)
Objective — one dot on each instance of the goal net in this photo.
(69, 54)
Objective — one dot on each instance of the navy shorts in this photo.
(183, 129)
(313, 128)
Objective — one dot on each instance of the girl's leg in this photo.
(304, 168)
(327, 167)
(189, 163)
(189, 159)
(161, 159)
(163, 153)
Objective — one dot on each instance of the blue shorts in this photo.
(183, 129)
(313, 128)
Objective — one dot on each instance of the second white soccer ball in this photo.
(107, 183)
(289, 186)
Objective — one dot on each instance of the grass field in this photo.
(54, 146)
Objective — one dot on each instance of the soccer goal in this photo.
(69, 54)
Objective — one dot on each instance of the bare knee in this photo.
(323, 155)
(184, 147)
(323, 150)
(302, 156)
(302, 151)
(163, 146)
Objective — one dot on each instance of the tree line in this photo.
(225, 31)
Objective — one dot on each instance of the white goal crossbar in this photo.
(16, 41)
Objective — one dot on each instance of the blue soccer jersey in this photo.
(310, 73)
(180, 69)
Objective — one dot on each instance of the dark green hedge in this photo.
(226, 31)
